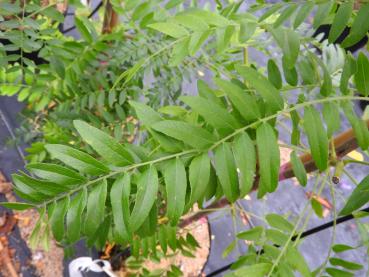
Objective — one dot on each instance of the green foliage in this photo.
(133, 157)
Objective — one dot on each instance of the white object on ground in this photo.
(84, 264)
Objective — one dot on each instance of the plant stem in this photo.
(331, 188)
(350, 177)
(355, 161)
(285, 246)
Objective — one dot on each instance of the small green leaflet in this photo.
(74, 215)
(279, 222)
(162, 238)
(317, 137)
(148, 227)
(223, 37)
(197, 39)
(47, 188)
(247, 29)
(27, 192)
(297, 261)
(57, 65)
(295, 136)
(100, 237)
(173, 110)
(289, 41)
(335, 272)
(147, 188)
(290, 74)
(192, 241)
(18, 206)
(253, 234)
(135, 248)
(120, 112)
(269, 93)
(190, 134)
(245, 104)
(298, 168)
(321, 14)
(268, 157)
(111, 98)
(245, 157)
(119, 198)
(306, 71)
(35, 235)
(226, 171)
(199, 174)
(255, 270)
(360, 126)
(217, 116)
(176, 186)
(167, 143)
(271, 11)
(85, 27)
(179, 52)
(229, 249)
(285, 14)
(206, 92)
(145, 114)
(213, 185)
(276, 236)
(76, 159)
(349, 69)
(169, 28)
(95, 207)
(358, 198)
(326, 87)
(171, 232)
(337, 248)
(340, 20)
(210, 17)
(189, 21)
(57, 211)
(361, 76)
(273, 252)
(345, 264)
(359, 28)
(331, 117)
(303, 13)
(317, 207)
(274, 75)
(53, 13)
(56, 173)
(110, 149)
